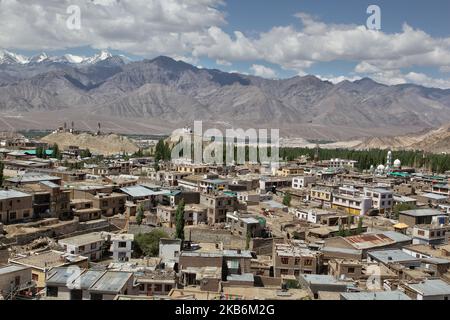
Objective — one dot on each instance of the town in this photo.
(77, 224)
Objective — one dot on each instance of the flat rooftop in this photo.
(111, 282)
(11, 194)
(11, 268)
(48, 259)
(421, 213)
(382, 295)
(392, 256)
(431, 287)
(83, 239)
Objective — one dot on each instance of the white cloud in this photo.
(192, 29)
(338, 79)
(223, 63)
(139, 27)
(263, 71)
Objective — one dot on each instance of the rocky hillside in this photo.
(104, 144)
(436, 141)
(176, 93)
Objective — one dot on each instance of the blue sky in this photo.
(274, 39)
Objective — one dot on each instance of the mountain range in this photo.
(163, 94)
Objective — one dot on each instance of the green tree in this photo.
(341, 232)
(147, 244)
(360, 229)
(85, 153)
(179, 233)
(140, 214)
(56, 153)
(248, 240)
(287, 200)
(402, 207)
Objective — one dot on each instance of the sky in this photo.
(269, 38)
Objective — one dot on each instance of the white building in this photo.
(433, 234)
(121, 247)
(302, 182)
(169, 251)
(351, 201)
(88, 245)
(341, 163)
(382, 199)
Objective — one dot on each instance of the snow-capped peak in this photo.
(7, 57)
(102, 56)
(73, 58)
(39, 58)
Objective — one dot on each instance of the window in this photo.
(12, 216)
(93, 246)
(285, 260)
(122, 244)
(158, 287)
(52, 291)
(351, 270)
(421, 233)
(297, 261)
(308, 262)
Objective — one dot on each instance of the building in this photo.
(321, 194)
(290, 171)
(418, 216)
(294, 259)
(218, 205)
(169, 251)
(382, 199)
(393, 256)
(433, 199)
(42, 263)
(357, 247)
(341, 163)
(65, 283)
(272, 184)
(429, 289)
(193, 215)
(442, 189)
(244, 225)
(373, 296)
(345, 269)
(110, 203)
(90, 245)
(316, 283)
(213, 185)
(351, 201)
(193, 169)
(302, 182)
(155, 283)
(15, 206)
(111, 284)
(14, 280)
(431, 234)
(121, 246)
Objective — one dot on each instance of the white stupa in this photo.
(397, 164)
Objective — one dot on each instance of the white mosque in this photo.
(390, 165)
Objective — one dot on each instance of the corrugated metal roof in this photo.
(433, 287)
(12, 268)
(392, 256)
(382, 295)
(112, 281)
(8, 194)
